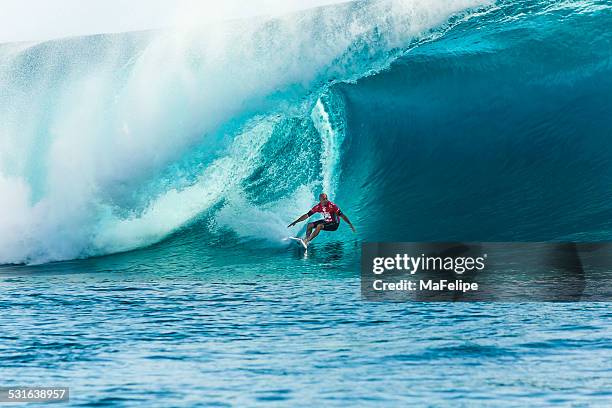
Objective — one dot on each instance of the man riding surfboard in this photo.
(330, 222)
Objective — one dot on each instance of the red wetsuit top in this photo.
(330, 211)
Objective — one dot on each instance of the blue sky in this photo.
(31, 20)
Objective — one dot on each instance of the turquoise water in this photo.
(147, 179)
(184, 332)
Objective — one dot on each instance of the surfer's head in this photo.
(323, 198)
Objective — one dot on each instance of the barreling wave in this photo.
(113, 142)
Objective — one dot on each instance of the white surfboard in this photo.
(300, 240)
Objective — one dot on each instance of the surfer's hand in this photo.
(353, 228)
(291, 225)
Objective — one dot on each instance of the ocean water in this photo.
(147, 179)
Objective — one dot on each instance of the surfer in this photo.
(330, 222)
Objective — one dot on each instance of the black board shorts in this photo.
(327, 226)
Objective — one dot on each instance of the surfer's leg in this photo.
(315, 232)
(311, 226)
(309, 229)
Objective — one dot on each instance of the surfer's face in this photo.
(323, 199)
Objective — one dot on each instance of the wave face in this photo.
(499, 131)
(423, 120)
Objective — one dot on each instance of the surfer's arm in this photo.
(345, 218)
(302, 218)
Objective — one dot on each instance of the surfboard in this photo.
(300, 241)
